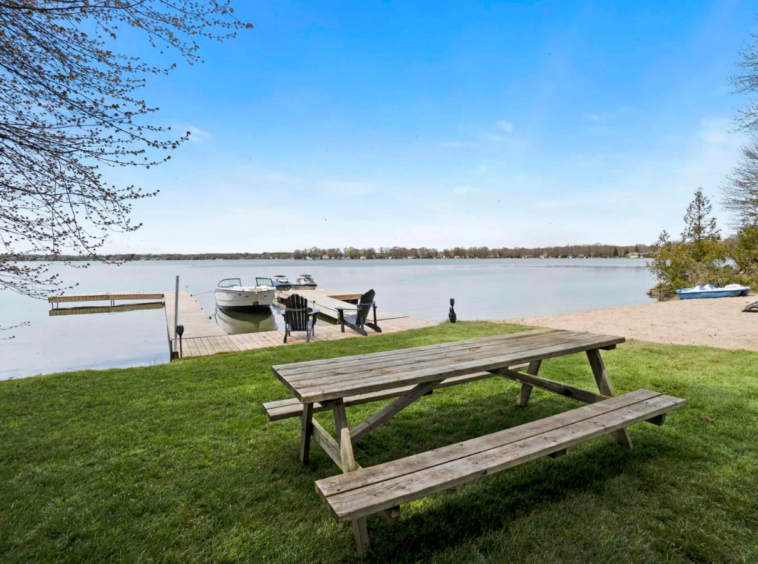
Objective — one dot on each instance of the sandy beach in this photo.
(714, 323)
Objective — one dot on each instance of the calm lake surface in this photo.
(483, 289)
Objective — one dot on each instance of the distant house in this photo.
(363, 257)
(633, 255)
(325, 257)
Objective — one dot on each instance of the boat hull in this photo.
(243, 298)
(709, 291)
(706, 295)
(303, 286)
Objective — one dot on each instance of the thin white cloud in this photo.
(593, 117)
(504, 125)
(197, 135)
(714, 130)
(465, 190)
(494, 137)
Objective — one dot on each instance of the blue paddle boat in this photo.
(710, 291)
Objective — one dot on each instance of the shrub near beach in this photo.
(701, 256)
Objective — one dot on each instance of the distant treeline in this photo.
(576, 251)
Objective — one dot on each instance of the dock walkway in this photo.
(327, 302)
(202, 337)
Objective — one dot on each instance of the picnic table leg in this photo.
(606, 388)
(360, 530)
(306, 432)
(526, 389)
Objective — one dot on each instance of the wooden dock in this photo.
(111, 297)
(327, 302)
(202, 337)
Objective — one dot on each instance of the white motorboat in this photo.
(231, 294)
(304, 282)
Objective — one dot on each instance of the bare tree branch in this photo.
(69, 106)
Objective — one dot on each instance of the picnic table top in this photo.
(330, 379)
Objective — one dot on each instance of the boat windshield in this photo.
(263, 282)
(230, 283)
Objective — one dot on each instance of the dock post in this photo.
(174, 350)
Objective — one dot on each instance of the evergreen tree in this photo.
(699, 228)
(615, 251)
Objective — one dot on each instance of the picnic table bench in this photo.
(410, 374)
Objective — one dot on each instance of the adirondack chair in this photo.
(751, 307)
(298, 318)
(356, 322)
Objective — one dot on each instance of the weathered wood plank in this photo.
(441, 359)
(291, 407)
(526, 390)
(381, 472)
(306, 432)
(355, 386)
(349, 364)
(391, 364)
(376, 497)
(300, 367)
(327, 442)
(606, 388)
(552, 386)
(105, 296)
(388, 412)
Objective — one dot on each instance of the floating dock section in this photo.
(111, 297)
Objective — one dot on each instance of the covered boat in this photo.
(304, 282)
(281, 282)
(231, 294)
(711, 291)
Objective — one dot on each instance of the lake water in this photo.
(483, 289)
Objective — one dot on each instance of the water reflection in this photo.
(89, 310)
(254, 320)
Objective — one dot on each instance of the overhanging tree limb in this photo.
(68, 107)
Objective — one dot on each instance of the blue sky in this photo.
(445, 123)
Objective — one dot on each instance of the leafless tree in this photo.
(69, 107)
(740, 190)
(746, 82)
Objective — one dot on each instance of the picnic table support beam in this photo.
(388, 412)
(348, 464)
(551, 386)
(306, 432)
(526, 389)
(606, 388)
(327, 442)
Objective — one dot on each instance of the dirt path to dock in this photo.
(713, 323)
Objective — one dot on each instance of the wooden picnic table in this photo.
(410, 374)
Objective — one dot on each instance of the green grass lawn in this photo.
(178, 463)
